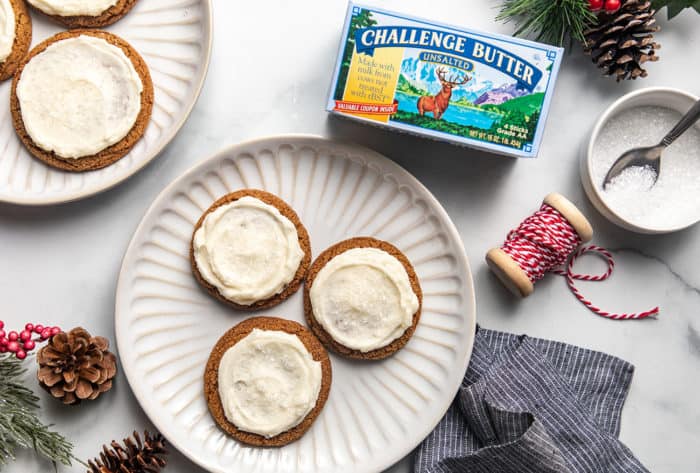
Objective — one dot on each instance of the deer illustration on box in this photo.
(439, 102)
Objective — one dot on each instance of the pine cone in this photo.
(134, 457)
(624, 40)
(75, 366)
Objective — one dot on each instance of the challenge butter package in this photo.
(477, 89)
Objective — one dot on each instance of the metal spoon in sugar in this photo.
(650, 156)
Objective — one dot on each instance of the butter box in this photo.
(453, 84)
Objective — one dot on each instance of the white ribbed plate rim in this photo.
(175, 39)
(166, 325)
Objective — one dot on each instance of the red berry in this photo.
(3, 349)
(612, 6)
(29, 345)
(13, 346)
(38, 328)
(12, 336)
(46, 333)
(595, 5)
(25, 335)
(2, 333)
(29, 327)
(55, 331)
(2, 325)
(21, 354)
(4, 342)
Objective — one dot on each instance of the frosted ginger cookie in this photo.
(250, 250)
(81, 100)
(84, 13)
(266, 381)
(362, 298)
(15, 36)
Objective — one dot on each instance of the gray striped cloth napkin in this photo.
(528, 405)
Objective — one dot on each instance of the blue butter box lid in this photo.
(482, 90)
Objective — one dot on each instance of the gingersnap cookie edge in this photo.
(233, 336)
(22, 41)
(111, 154)
(324, 337)
(302, 235)
(113, 14)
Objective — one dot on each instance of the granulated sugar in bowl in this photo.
(632, 200)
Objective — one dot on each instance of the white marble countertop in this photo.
(270, 72)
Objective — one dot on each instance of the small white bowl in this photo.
(654, 96)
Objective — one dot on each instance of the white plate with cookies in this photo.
(169, 324)
(174, 39)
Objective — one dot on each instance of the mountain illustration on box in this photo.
(476, 104)
(419, 77)
(500, 95)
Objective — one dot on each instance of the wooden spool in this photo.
(508, 270)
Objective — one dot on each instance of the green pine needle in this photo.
(20, 426)
(550, 21)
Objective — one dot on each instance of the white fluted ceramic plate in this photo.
(174, 38)
(377, 412)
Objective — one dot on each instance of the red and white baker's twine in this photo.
(544, 242)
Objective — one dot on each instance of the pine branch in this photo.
(550, 21)
(20, 426)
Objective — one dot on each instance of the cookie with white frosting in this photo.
(250, 250)
(266, 381)
(15, 36)
(81, 100)
(362, 298)
(84, 13)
